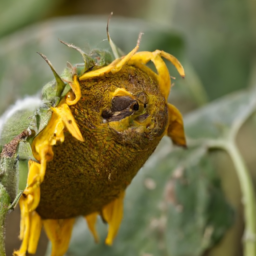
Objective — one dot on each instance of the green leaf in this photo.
(198, 214)
(222, 117)
(25, 11)
(216, 126)
(17, 119)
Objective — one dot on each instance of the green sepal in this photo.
(101, 58)
(41, 118)
(88, 61)
(15, 202)
(24, 154)
(67, 75)
(48, 94)
(118, 53)
(22, 169)
(56, 88)
(66, 90)
(25, 151)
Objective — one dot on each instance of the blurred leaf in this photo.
(15, 14)
(216, 127)
(222, 117)
(23, 72)
(220, 42)
(198, 214)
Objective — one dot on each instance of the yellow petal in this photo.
(23, 213)
(59, 233)
(114, 66)
(76, 90)
(91, 222)
(65, 113)
(174, 61)
(122, 92)
(113, 214)
(175, 127)
(25, 227)
(35, 231)
(33, 186)
(49, 136)
(34, 169)
(163, 77)
(99, 72)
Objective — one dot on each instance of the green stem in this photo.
(248, 199)
(4, 203)
(248, 196)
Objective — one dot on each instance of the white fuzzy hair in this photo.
(20, 104)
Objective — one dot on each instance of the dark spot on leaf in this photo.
(10, 149)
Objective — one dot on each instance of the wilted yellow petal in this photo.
(76, 90)
(49, 136)
(164, 79)
(174, 61)
(25, 228)
(91, 222)
(35, 231)
(122, 92)
(65, 113)
(23, 213)
(114, 66)
(33, 187)
(59, 233)
(113, 214)
(99, 72)
(175, 127)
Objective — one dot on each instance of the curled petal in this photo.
(59, 233)
(113, 214)
(91, 222)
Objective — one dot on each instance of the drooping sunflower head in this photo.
(129, 99)
(99, 124)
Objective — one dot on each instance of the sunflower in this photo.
(99, 124)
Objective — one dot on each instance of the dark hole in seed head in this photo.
(135, 107)
(106, 114)
(120, 103)
(69, 121)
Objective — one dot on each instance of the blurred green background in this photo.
(215, 41)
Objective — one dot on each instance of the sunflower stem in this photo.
(248, 195)
(248, 198)
(4, 203)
